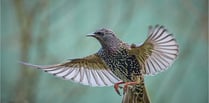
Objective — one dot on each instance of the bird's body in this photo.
(119, 63)
(126, 67)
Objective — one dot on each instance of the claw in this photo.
(116, 89)
(116, 86)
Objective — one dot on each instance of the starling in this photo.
(120, 63)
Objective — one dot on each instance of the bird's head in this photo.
(106, 37)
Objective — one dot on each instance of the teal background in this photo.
(51, 31)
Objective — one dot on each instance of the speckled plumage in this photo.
(117, 62)
(123, 65)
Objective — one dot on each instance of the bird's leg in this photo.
(116, 86)
(127, 84)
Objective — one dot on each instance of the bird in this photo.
(118, 63)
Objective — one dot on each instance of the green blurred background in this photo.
(51, 31)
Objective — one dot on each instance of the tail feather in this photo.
(136, 94)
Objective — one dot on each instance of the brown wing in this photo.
(158, 52)
(90, 70)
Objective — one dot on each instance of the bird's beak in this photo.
(91, 35)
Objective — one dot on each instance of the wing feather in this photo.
(158, 51)
(90, 70)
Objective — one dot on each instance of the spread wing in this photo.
(90, 70)
(158, 51)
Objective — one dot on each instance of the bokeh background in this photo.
(51, 31)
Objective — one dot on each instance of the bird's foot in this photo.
(116, 86)
(128, 84)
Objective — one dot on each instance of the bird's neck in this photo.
(111, 43)
(114, 48)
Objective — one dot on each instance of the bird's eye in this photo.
(100, 33)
